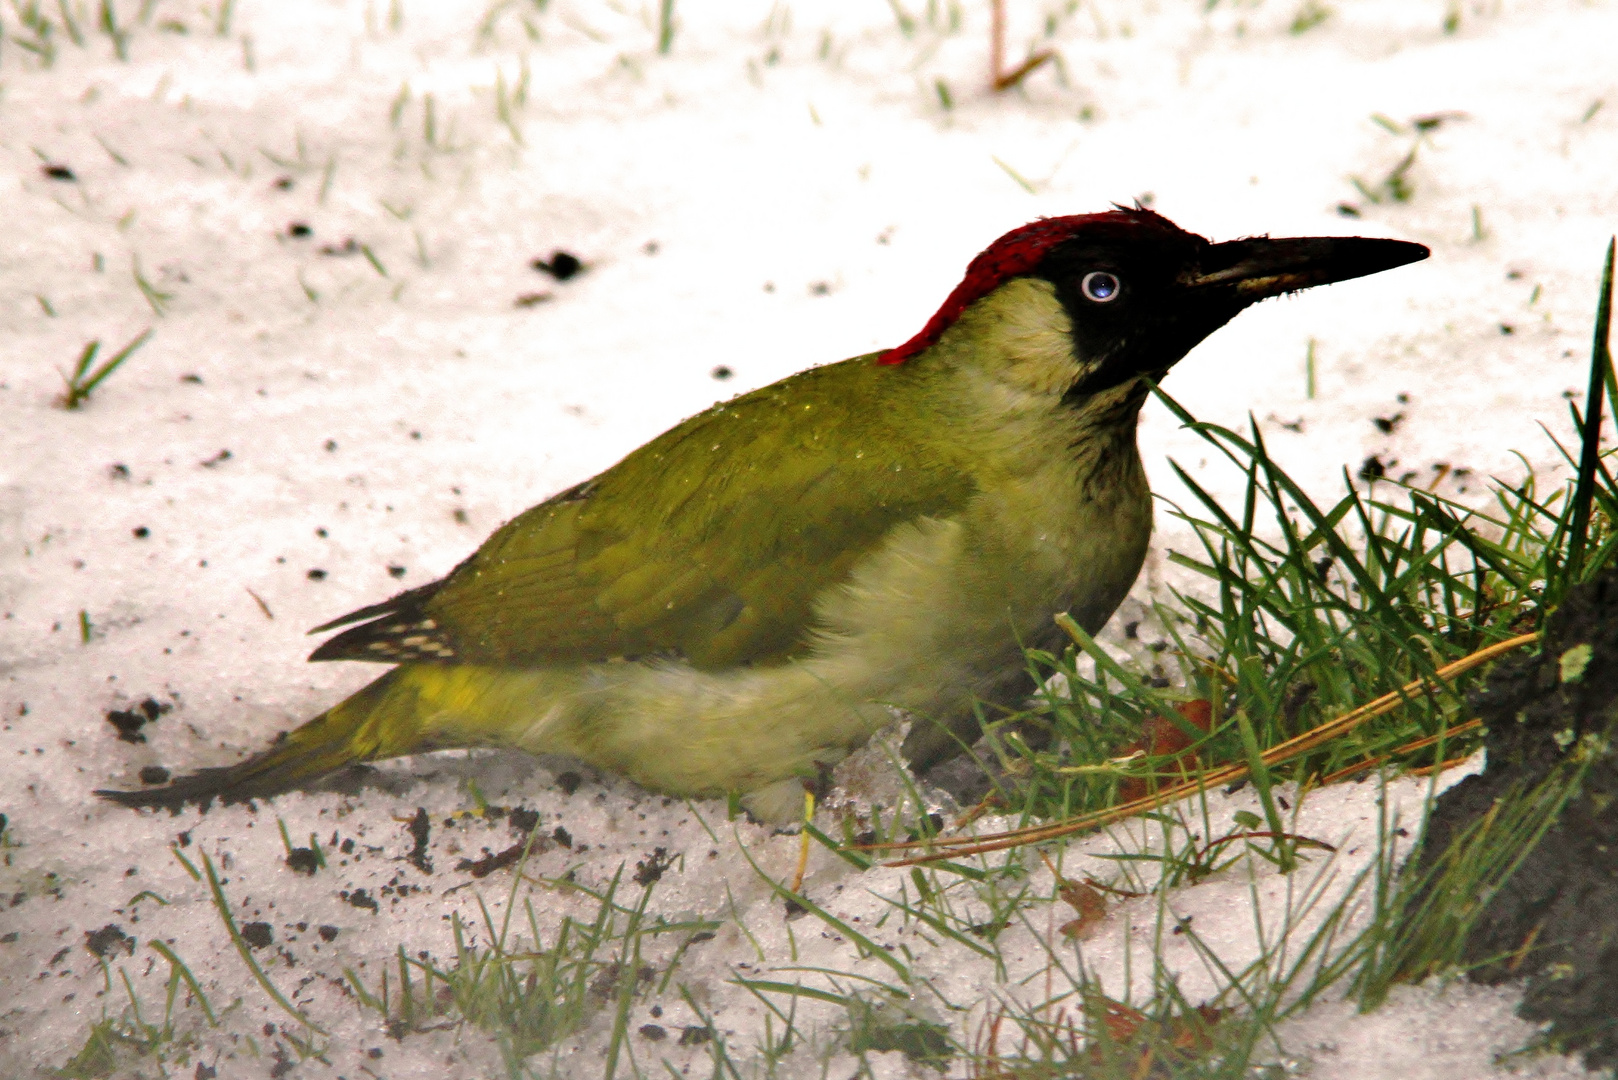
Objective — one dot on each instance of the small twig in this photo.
(999, 77)
(1096, 883)
(262, 606)
(1022, 70)
(1407, 748)
(1440, 766)
(992, 801)
(1200, 857)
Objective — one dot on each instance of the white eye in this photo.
(1100, 286)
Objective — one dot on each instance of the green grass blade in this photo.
(246, 952)
(1589, 458)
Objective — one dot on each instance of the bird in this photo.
(735, 606)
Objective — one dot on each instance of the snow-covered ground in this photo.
(326, 215)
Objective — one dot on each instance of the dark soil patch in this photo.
(303, 860)
(1554, 923)
(361, 899)
(258, 935)
(562, 265)
(421, 828)
(108, 940)
(128, 722)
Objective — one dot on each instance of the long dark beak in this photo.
(1260, 267)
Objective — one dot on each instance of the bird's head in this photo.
(1086, 303)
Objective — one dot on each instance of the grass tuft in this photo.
(126, 1043)
(108, 21)
(1310, 15)
(83, 380)
(527, 993)
(156, 298)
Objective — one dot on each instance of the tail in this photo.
(380, 721)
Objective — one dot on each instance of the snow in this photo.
(782, 189)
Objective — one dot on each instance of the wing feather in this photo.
(711, 542)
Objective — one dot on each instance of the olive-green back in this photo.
(711, 542)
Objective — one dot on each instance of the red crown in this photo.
(1015, 254)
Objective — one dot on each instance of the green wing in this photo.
(710, 543)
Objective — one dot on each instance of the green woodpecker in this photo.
(731, 607)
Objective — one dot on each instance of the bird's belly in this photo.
(936, 617)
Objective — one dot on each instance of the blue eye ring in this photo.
(1101, 286)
